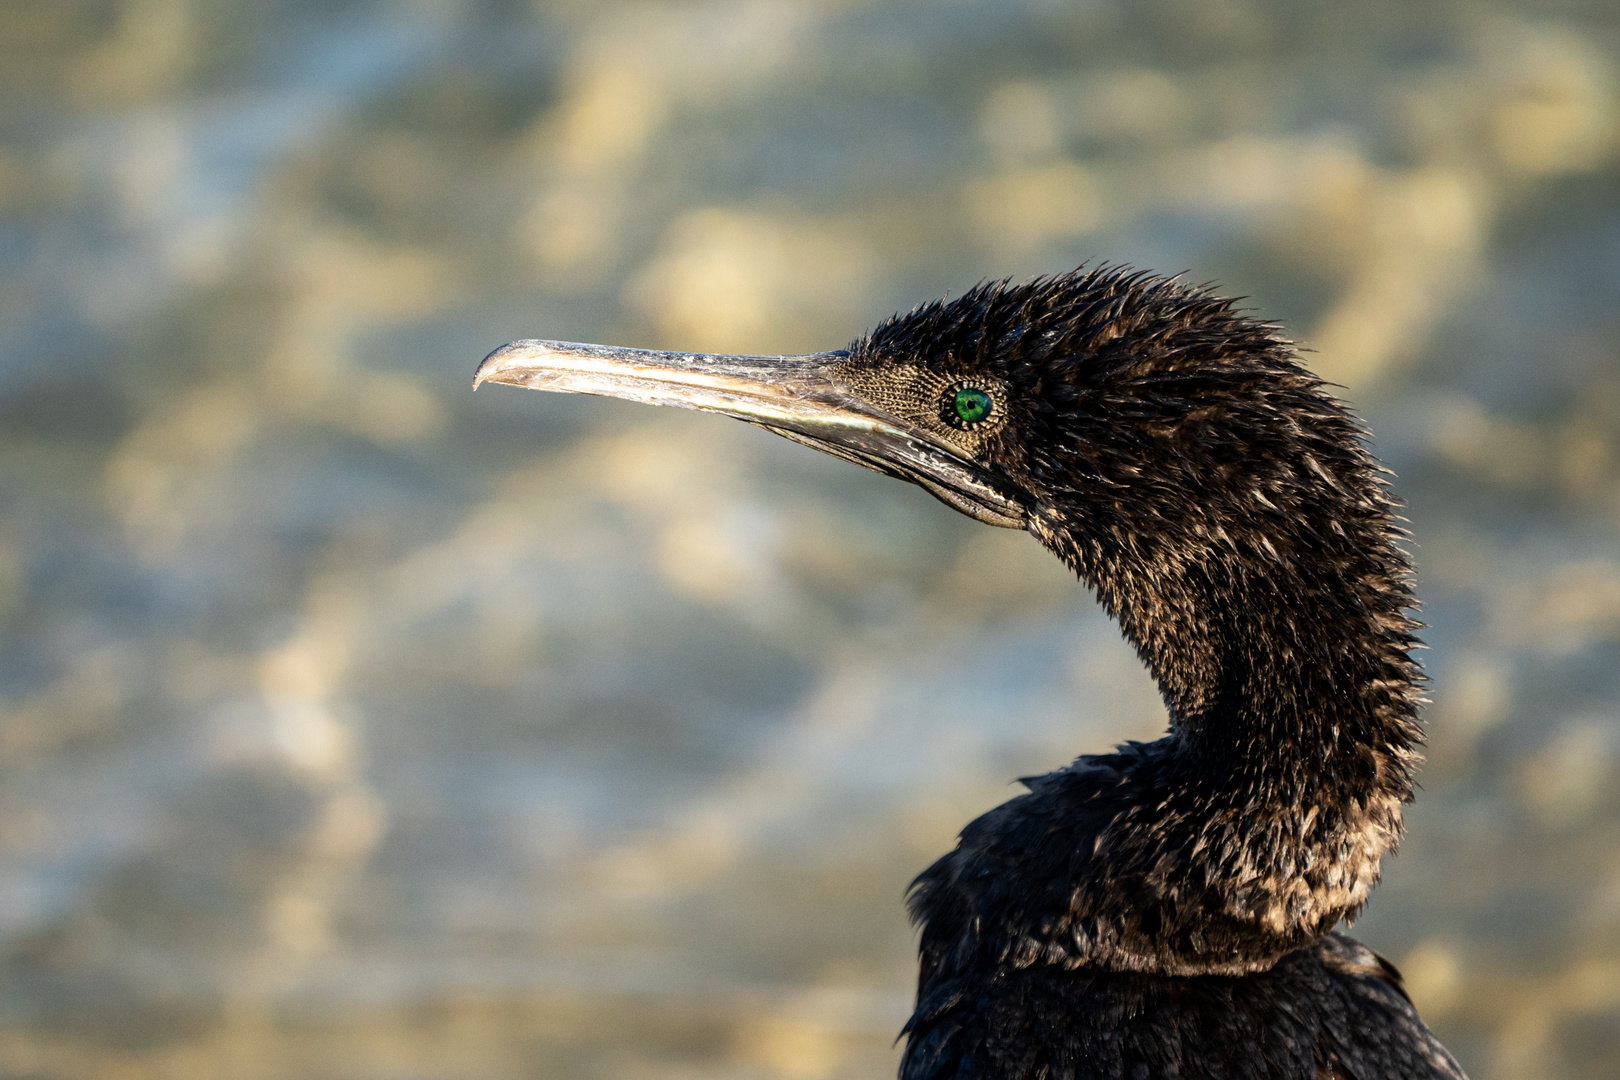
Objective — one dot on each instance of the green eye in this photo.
(968, 406)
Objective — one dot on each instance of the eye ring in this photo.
(967, 406)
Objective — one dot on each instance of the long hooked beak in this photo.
(799, 397)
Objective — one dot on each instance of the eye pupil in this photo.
(971, 405)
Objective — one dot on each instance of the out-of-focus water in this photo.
(352, 725)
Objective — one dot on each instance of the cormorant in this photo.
(1167, 909)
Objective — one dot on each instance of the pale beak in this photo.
(799, 397)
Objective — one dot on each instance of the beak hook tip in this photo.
(489, 366)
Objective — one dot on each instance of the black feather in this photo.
(1166, 910)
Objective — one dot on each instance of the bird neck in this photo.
(1284, 667)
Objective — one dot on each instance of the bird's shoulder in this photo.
(1081, 869)
(1375, 1031)
(1331, 1011)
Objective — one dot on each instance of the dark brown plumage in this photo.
(1165, 910)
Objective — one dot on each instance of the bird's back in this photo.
(1333, 1010)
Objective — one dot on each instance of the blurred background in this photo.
(355, 726)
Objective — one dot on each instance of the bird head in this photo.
(1015, 401)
